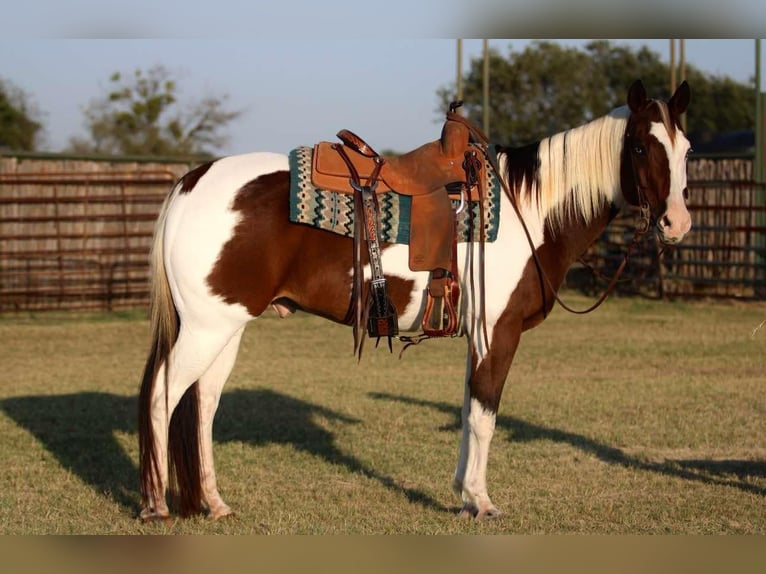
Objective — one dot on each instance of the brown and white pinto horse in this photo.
(225, 251)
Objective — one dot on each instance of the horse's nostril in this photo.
(666, 221)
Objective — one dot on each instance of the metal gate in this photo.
(724, 255)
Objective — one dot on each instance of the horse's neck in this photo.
(574, 238)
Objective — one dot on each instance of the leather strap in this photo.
(640, 230)
(356, 143)
(448, 287)
(377, 312)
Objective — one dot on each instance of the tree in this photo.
(548, 88)
(20, 128)
(140, 115)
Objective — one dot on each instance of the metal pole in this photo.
(672, 66)
(459, 82)
(760, 201)
(485, 105)
(758, 159)
(682, 58)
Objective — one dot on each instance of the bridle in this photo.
(642, 227)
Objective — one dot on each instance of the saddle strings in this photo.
(471, 167)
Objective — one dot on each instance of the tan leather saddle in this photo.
(424, 174)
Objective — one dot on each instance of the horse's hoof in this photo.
(220, 513)
(468, 512)
(149, 515)
(488, 514)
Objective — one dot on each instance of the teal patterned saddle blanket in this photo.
(334, 211)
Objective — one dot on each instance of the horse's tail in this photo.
(184, 462)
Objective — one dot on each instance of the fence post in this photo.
(758, 163)
(760, 200)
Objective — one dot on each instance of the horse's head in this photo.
(653, 172)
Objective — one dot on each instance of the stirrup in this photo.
(441, 317)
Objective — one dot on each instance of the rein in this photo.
(638, 233)
(641, 228)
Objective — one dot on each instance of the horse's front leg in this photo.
(485, 378)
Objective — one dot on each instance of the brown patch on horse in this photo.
(190, 179)
(270, 260)
(486, 386)
(526, 307)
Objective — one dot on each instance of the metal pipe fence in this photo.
(724, 255)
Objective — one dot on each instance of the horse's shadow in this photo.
(720, 472)
(79, 430)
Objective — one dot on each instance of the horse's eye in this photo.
(689, 152)
(638, 149)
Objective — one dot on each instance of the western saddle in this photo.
(432, 175)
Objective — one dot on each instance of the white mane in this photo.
(579, 170)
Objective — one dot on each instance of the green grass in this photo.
(643, 417)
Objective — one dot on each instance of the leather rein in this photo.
(641, 228)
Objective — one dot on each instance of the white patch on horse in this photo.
(471, 474)
(204, 218)
(395, 262)
(505, 259)
(676, 212)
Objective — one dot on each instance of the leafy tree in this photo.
(548, 88)
(20, 128)
(141, 115)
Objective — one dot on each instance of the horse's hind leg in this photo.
(210, 386)
(192, 356)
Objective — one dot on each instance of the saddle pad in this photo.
(334, 212)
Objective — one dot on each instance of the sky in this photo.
(294, 86)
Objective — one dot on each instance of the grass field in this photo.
(643, 417)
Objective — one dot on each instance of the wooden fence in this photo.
(75, 234)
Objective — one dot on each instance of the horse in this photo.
(224, 252)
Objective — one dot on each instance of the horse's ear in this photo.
(680, 100)
(636, 96)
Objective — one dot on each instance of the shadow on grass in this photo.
(79, 431)
(705, 471)
(265, 417)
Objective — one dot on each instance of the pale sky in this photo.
(301, 71)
